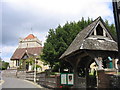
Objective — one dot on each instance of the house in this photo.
(29, 47)
(94, 48)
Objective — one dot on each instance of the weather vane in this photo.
(31, 30)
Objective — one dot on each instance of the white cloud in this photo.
(7, 59)
(63, 8)
(7, 51)
(46, 14)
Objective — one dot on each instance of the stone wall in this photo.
(107, 80)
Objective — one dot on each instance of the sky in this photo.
(19, 16)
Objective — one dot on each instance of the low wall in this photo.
(108, 80)
(21, 74)
(9, 73)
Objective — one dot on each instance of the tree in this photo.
(111, 27)
(3, 65)
(60, 38)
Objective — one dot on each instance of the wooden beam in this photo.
(116, 10)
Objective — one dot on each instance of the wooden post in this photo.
(75, 76)
(99, 62)
(116, 10)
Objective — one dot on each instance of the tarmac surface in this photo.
(9, 81)
(18, 83)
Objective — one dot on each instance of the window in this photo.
(99, 30)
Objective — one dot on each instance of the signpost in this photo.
(116, 10)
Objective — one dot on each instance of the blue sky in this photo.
(18, 16)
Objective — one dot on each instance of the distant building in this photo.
(29, 42)
(28, 47)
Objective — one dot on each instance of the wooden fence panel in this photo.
(52, 81)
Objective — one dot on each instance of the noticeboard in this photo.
(67, 78)
(63, 79)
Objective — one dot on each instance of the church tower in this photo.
(29, 42)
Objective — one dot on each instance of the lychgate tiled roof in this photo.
(18, 54)
(81, 41)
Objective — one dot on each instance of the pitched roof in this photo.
(30, 36)
(19, 53)
(80, 42)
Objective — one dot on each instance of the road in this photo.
(18, 83)
(11, 82)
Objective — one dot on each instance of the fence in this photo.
(52, 81)
(30, 76)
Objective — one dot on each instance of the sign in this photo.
(67, 78)
(70, 79)
(63, 79)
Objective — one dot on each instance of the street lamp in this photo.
(35, 69)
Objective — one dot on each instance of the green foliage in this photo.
(22, 65)
(3, 65)
(111, 27)
(30, 60)
(60, 38)
(37, 66)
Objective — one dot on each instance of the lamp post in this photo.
(116, 10)
(35, 69)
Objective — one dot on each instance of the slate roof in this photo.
(19, 53)
(95, 44)
(81, 41)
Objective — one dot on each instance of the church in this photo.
(29, 47)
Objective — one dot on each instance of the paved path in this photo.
(18, 83)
